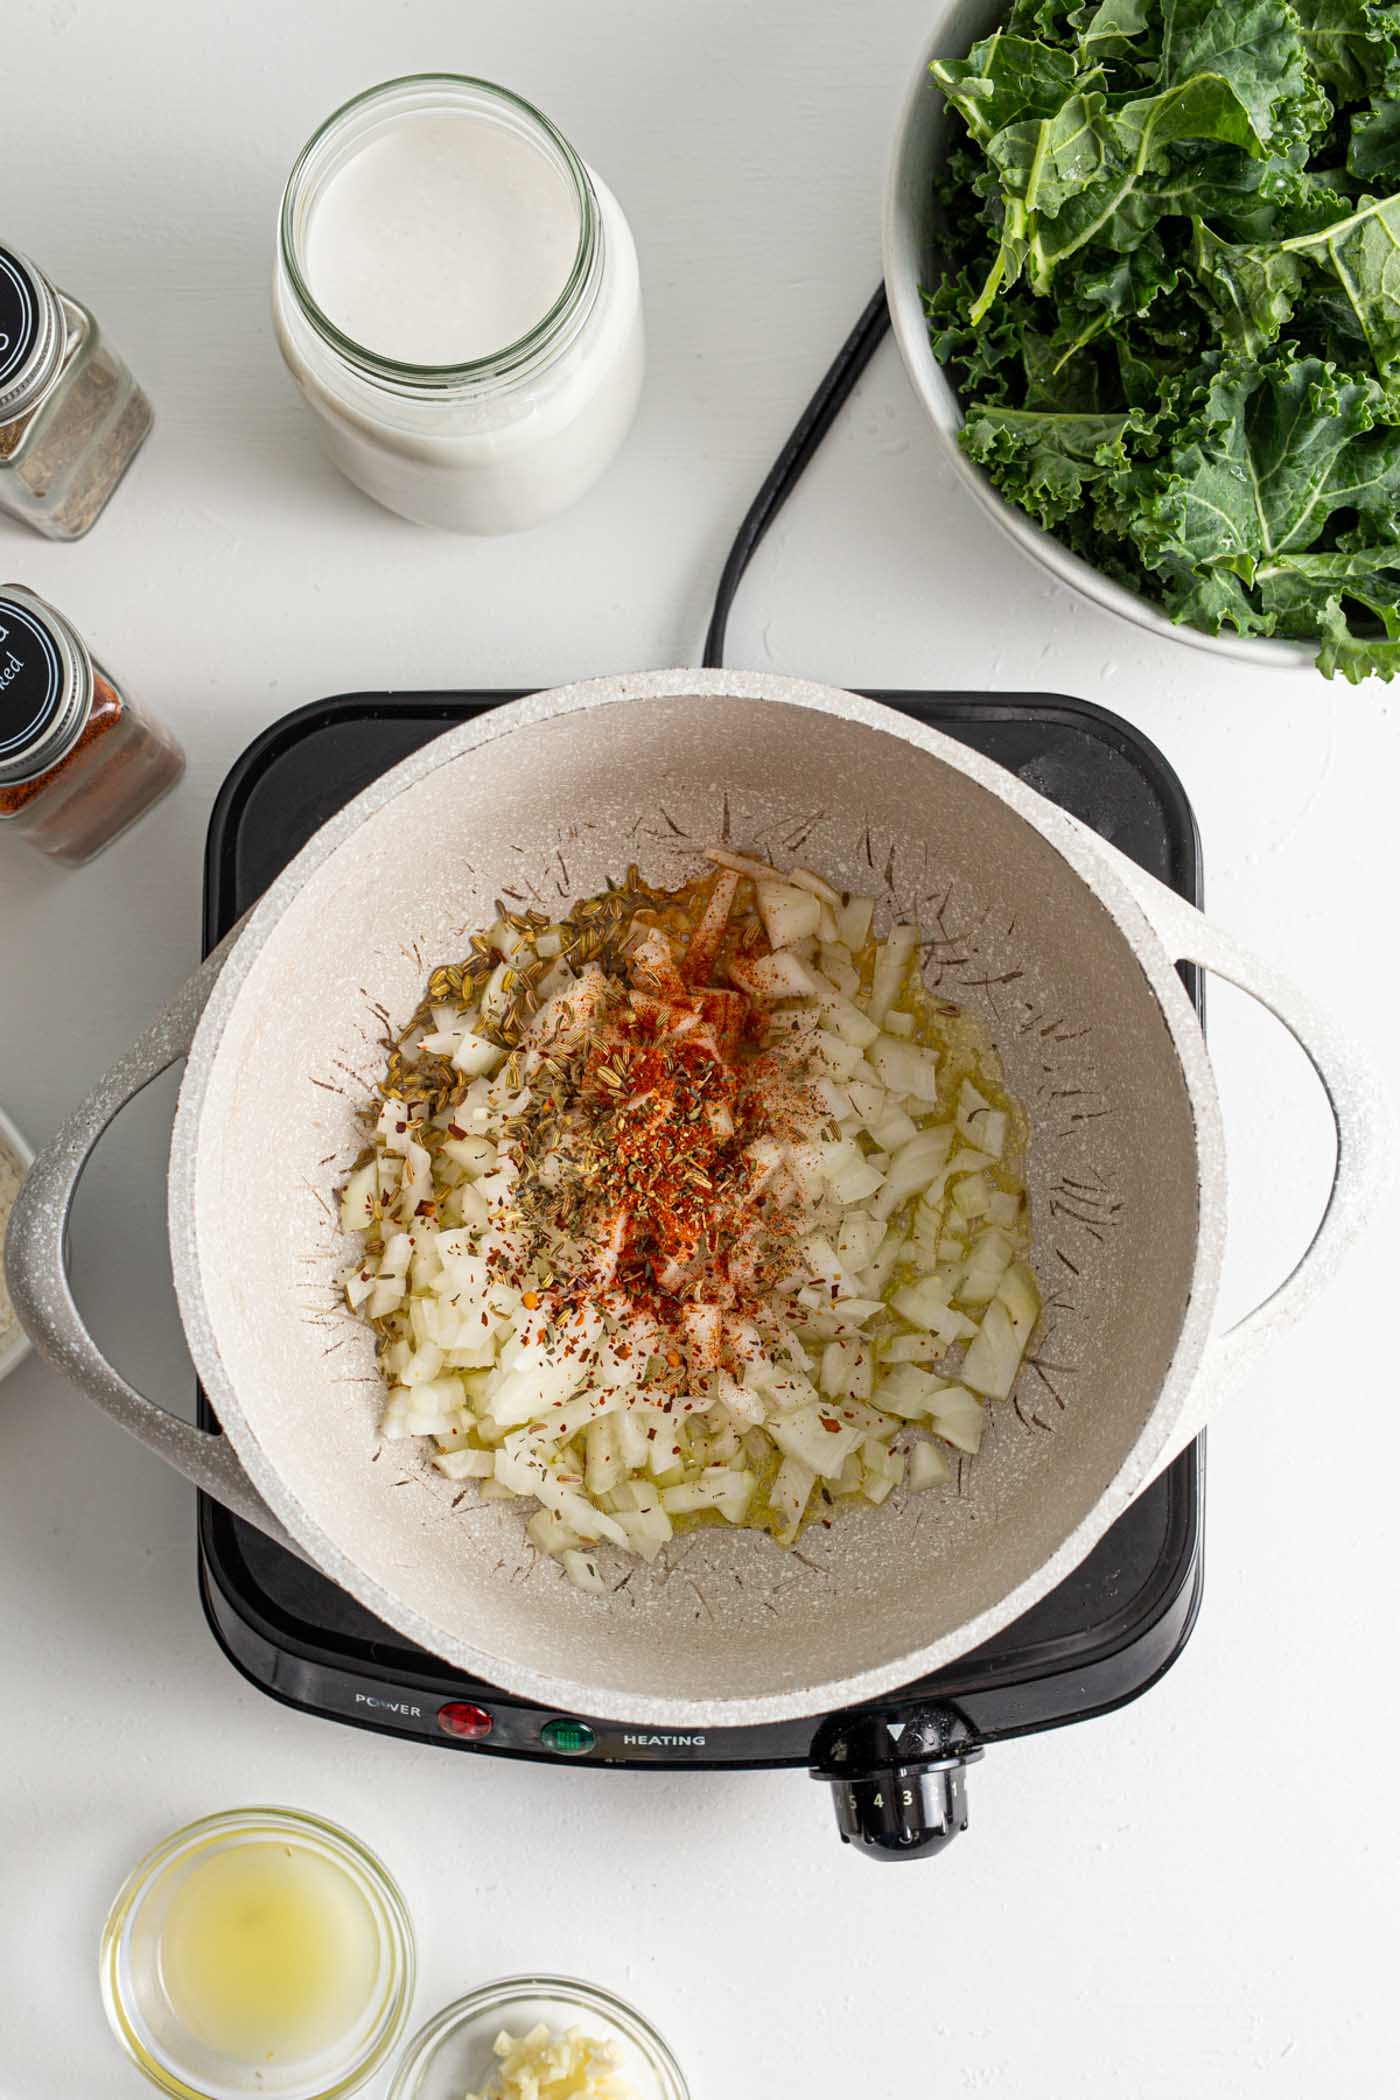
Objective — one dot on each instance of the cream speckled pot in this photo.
(922, 133)
(14, 1342)
(1065, 949)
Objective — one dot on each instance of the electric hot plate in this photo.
(896, 1768)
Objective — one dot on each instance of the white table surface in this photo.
(1194, 1896)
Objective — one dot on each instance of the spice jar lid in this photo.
(31, 335)
(45, 686)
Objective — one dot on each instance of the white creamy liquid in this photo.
(444, 239)
(443, 236)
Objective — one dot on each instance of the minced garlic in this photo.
(545, 2066)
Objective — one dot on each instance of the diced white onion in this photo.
(805, 879)
(853, 922)
(892, 962)
(788, 913)
(994, 1356)
(909, 1300)
(927, 1467)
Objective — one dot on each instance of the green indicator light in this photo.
(569, 1738)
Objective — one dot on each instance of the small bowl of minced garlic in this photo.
(544, 2037)
(16, 1158)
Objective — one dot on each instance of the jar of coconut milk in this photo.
(457, 297)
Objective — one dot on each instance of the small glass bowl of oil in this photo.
(455, 2053)
(261, 1951)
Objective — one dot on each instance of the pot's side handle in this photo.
(36, 1265)
(1363, 1126)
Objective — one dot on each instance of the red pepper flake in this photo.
(657, 1115)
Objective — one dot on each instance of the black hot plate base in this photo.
(1103, 1636)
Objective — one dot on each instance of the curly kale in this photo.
(1169, 298)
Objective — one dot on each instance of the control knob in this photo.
(898, 1779)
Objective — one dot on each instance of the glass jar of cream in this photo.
(457, 297)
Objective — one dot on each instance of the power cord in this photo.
(790, 465)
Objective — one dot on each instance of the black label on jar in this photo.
(19, 316)
(31, 680)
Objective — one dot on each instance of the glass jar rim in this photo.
(255, 1821)
(497, 1997)
(73, 662)
(495, 363)
(24, 392)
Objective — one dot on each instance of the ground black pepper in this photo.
(62, 459)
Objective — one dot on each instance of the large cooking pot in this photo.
(1065, 950)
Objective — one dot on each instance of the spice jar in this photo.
(457, 297)
(77, 762)
(72, 418)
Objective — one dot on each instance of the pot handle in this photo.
(1359, 1115)
(36, 1264)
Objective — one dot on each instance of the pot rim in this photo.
(902, 249)
(1088, 859)
(15, 1344)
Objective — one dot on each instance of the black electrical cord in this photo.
(787, 469)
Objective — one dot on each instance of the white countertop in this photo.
(1193, 1896)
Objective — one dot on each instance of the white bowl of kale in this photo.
(1143, 259)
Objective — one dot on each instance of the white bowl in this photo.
(909, 237)
(15, 1344)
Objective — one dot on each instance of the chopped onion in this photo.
(980, 1123)
(927, 1467)
(761, 871)
(858, 1239)
(986, 1265)
(465, 1464)
(838, 969)
(891, 968)
(805, 879)
(881, 1471)
(845, 1018)
(788, 913)
(582, 1571)
(958, 1417)
(359, 1199)
(909, 1300)
(994, 1356)
(916, 1164)
(921, 1348)
(788, 1496)
(776, 976)
(817, 1436)
(909, 1391)
(841, 1059)
(727, 1489)
(853, 922)
(905, 1068)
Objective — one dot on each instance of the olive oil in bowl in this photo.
(259, 1952)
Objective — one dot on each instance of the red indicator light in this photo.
(470, 1724)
